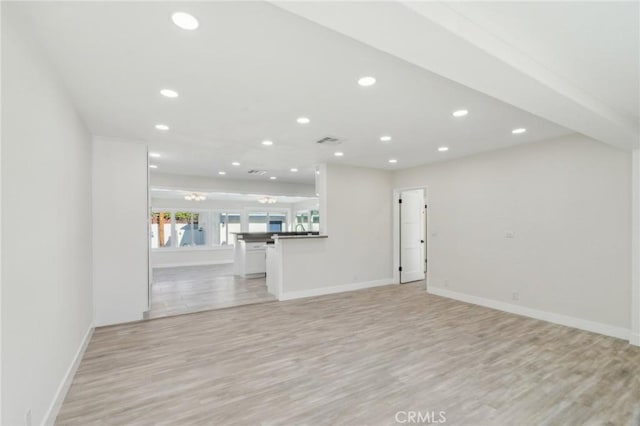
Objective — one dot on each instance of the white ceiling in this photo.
(249, 71)
(553, 59)
(594, 45)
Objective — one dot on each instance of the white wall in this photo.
(358, 210)
(1, 239)
(357, 253)
(568, 203)
(120, 263)
(172, 257)
(244, 186)
(635, 249)
(46, 272)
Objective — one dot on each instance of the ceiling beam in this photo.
(436, 38)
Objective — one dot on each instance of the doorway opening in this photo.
(410, 235)
(208, 249)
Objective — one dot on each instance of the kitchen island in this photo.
(300, 251)
(251, 250)
(313, 265)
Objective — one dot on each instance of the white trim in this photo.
(290, 295)
(195, 263)
(582, 324)
(63, 387)
(634, 339)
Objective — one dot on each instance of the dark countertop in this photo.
(295, 237)
(268, 236)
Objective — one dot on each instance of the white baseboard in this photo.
(582, 324)
(634, 339)
(201, 263)
(289, 295)
(63, 387)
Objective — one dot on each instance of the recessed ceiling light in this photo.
(443, 149)
(303, 120)
(518, 130)
(154, 155)
(235, 163)
(460, 113)
(162, 127)
(385, 138)
(184, 20)
(169, 93)
(367, 81)
(294, 170)
(338, 154)
(153, 166)
(267, 143)
(273, 178)
(393, 161)
(222, 173)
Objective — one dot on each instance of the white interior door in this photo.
(412, 239)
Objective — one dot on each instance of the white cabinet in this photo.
(250, 258)
(255, 258)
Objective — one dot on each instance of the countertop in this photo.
(295, 237)
(254, 237)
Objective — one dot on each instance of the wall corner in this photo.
(635, 248)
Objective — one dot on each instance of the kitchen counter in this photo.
(289, 260)
(290, 237)
(269, 236)
(250, 251)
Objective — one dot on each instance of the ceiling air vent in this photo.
(329, 140)
(257, 172)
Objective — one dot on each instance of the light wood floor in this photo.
(354, 359)
(188, 289)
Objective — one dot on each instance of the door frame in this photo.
(396, 232)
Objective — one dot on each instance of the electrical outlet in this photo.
(27, 418)
(515, 296)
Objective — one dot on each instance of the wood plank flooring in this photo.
(182, 290)
(354, 359)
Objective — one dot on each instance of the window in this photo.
(190, 229)
(160, 229)
(315, 221)
(307, 221)
(258, 222)
(277, 222)
(210, 228)
(268, 222)
(302, 221)
(225, 225)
